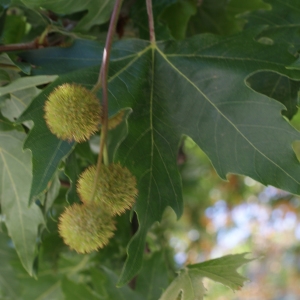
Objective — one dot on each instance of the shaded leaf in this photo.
(72, 171)
(14, 29)
(220, 16)
(177, 17)
(76, 291)
(140, 18)
(9, 283)
(98, 12)
(107, 281)
(153, 278)
(117, 135)
(277, 87)
(52, 61)
(48, 285)
(282, 23)
(21, 220)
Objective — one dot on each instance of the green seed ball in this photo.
(72, 112)
(86, 228)
(115, 191)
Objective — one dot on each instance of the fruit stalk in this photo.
(102, 82)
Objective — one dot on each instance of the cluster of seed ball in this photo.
(73, 113)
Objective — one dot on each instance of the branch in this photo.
(22, 46)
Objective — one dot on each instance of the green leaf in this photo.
(153, 278)
(223, 270)
(76, 291)
(72, 171)
(220, 16)
(177, 17)
(279, 87)
(20, 93)
(107, 281)
(52, 61)
(282, 23)
(48, 286)
(9, 283)
(204, 78)
(7, 125)
(52, 193)
(98, 13)
(117, 135)
(140, 18)
(14, 29)
(187, 286)
(22, 221)
(25, 83)
(226, 119)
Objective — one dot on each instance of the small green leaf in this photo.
(223, 270)
(22, 221)
(186, 286)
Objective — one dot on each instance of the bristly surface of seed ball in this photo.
(86, 228)
(116, 187)
(72, 112)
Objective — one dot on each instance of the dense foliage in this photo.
(224, 73)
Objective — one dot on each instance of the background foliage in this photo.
(223, 75)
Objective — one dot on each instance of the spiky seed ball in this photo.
(116, 187)
(85, 228)
(72, 112)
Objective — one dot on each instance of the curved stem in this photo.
(102, 82)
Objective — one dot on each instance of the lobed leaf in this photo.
(188, 285)
(198, 88)
(223, 270)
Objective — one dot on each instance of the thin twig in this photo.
(150, 21)
(102, 82)
(22, 46)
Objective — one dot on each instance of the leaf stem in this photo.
(102, 82)
(150, 21)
